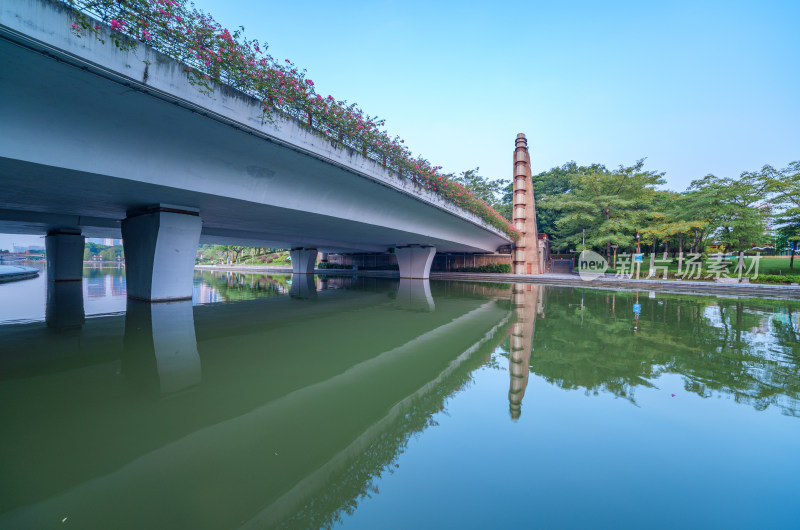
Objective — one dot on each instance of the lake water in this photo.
(269, 401)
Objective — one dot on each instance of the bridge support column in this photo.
(303, 260)
(160, 248)
(415, 261)
(64, 256)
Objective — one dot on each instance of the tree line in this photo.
(757, 209)
(93, 251)
(234, 254)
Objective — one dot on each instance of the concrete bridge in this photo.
(107, 143)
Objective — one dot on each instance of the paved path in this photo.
(10, 273)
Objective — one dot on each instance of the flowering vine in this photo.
(214, 55)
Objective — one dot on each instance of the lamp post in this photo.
(583, 249)
(615, 247)
(638, 253)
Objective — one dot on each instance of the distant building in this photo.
(109, 242)
(32, 249)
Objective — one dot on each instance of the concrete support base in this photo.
(303, 260)
(160, 348)
(160, 249)
(64, 256)
(415, 261)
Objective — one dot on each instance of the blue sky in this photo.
(695, 87)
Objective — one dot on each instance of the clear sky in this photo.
(695, 87)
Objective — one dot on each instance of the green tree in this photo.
(736, 209)
(488, 190)
(548, 184)
(785, 184)
(111, 253)
(611, 206)
(668, 222)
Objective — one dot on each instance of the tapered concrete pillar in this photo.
(160, 348)
(415, 261)
(303, 260)
(415, 295)
(160, 248)
(64, 256)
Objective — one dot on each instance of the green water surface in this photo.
(351, 402)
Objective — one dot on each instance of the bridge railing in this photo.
(212, 54)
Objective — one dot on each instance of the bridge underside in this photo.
(39, 199)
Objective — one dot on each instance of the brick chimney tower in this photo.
(526, 251)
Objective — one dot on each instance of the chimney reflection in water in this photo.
(527, 301)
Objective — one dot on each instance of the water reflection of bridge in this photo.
(255, 393)
(167, 406)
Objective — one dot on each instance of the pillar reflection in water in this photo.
(415, 295)
(303, 286)
(64, 305)
(160, 349)
(527, 302)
